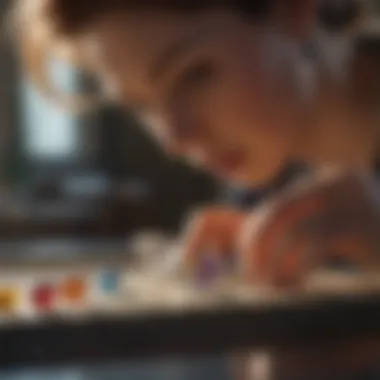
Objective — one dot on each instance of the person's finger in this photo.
(295, 263)
(214, 229)
(198, 232)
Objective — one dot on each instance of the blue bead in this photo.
(110, 281)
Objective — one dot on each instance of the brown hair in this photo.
(72, 16)
(45, 26)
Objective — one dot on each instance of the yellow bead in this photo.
(9, 300)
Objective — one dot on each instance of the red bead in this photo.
(43, 296)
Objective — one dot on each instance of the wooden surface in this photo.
(334, 321)
(157, 318)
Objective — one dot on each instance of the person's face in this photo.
(208, 86)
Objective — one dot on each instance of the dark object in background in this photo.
(128, 152)
(337, 15)
(369, 43)
(257, 9)
(366, 71)
(48, 190)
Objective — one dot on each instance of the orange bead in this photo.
(74, 289)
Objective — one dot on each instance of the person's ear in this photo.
(297, 18)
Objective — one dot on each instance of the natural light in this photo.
(50, 133)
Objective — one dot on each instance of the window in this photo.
(49, 133)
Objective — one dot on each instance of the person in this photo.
(243, 89)
(227, 85)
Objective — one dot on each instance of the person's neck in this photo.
(340, 132)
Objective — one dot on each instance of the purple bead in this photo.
(209, 270)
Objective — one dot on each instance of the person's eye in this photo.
(196, 75)
(184, 95)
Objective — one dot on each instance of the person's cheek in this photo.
(165, 131)
(227, 108)
(251, 115)
(250, 100)
(232, 124)
(267, 113)
(182, 128)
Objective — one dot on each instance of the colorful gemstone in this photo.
(110, 281)
(43, 296)
(209, 269)
(9, 300)
(74, 289)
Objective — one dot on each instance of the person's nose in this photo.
(188, 147)
(187, 132)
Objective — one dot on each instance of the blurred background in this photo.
(90, 176)
(87, 183)
(84, 184)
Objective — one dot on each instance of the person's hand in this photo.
(211, 229)
(283, 239)
(336, 217)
